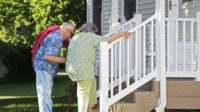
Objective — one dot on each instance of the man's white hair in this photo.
(68, 25)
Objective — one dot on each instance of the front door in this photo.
(173, 12)
(173, 8)
(97, 11)
(181, 48)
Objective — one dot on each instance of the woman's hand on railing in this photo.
(125, 34)
(119, 35)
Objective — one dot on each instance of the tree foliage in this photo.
(21, 20)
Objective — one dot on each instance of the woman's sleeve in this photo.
(97, 39)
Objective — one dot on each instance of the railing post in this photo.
(198, 48)
(104, 76)
(114, 15)
(138, 18)
(139, 44)
(161, 61)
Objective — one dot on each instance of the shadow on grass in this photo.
(31, 104)
(20, 95)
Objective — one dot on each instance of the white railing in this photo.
(117, 27)
(127, 64)
(182, 47)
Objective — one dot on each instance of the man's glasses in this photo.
(72, 34)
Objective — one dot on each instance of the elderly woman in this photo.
(80, 64)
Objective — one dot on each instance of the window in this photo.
(97, 10)
(130, 8)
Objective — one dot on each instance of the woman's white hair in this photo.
(88, 27)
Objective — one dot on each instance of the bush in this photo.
(17, 60)
(22, 20)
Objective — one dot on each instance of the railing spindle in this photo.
(144, 50)
(120, 65)
(192, 42)
(176, 48)
(184, 48)
(127, 72)
(168, 46)
(136, 55)
(112, 70)
(152, 43)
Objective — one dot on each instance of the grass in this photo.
(20, 96)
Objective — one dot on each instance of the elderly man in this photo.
(80, 63)
(45, 62)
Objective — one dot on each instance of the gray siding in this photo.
(120, 3)
(189, 9)
(146, 8)
(106, 16)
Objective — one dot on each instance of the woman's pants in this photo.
(86, 93)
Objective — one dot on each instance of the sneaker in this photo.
(93, 106)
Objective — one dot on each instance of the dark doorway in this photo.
(129, 8)
(97, 11)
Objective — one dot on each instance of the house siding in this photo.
(106, 16)
(189, 9)
(146, 8)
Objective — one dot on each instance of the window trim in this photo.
(188, 1)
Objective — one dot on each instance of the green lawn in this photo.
(20, 96)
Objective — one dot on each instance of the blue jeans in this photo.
(44, 83)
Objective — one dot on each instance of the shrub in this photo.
(22, 20)
(17, 60)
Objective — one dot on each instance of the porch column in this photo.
(90, 11)
(161, 60)
(114, 15)
(198, 40)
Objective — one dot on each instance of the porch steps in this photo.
(183, 103)
(145, 97)
(143, 101)
(132, 107)
(180, 88)
(183, 94)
